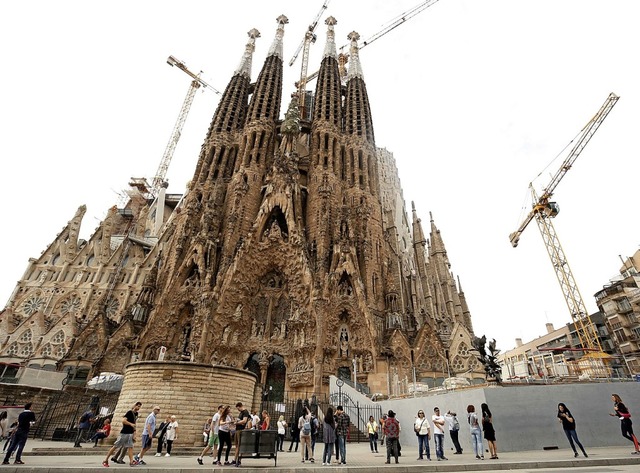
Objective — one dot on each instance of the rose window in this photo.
(112, 307)
(32, 305)
(71, 305)
(46, 350)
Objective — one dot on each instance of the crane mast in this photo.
(196, 83)
(305, 46)
(543, 211)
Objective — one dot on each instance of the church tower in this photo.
(290, 255)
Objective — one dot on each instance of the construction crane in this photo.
(543, 211)
(400, 19)
(196, 83)
(304, 46)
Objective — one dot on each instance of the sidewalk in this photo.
(60, 457)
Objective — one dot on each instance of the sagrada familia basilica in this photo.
(290, 254)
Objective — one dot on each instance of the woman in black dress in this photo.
(489, 431)
(569, 425)
(621, 411)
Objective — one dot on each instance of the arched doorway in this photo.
(276, 378)
(253, 365)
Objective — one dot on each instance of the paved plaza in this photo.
(60, 457)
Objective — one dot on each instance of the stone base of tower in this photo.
(190, 391)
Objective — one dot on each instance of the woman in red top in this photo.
(266, 421)
(102, 433)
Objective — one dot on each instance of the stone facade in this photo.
(291, 254)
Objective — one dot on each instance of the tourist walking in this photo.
(342, 429)
(161, 434)
(454, 428)
(213, 437)
(476, 432)
(84, 424)
(19, 437)
(304, 425)
(372, 429)
(622, 412)
(423, 431)
(147, 435)
(103, 432)
(125, 439)
(328, 436)
(391, 430)
(569, 426)
(438, 433)
(227, 423)
(172, 434)
(206, 431)
(282, 431)
(489, 431)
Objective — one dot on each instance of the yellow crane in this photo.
(543, 211)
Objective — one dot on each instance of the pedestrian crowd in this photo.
(223, 429)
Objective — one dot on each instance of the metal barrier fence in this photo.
(59, 418)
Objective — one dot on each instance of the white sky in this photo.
(474, 97)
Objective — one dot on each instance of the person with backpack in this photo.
(304, 424)
(391, 429)
(454, 428)
(84, 424)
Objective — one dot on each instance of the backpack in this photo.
(392, 428)
(306, 426)
(455, 424)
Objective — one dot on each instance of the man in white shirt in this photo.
(438, 433)
(214, 440)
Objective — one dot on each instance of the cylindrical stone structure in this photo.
(190, 391)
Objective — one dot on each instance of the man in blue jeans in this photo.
(342, 429)
(19, 438)
(438, 433)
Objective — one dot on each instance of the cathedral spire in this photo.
(276, 46)
(217, 156)
(355, 68)
(357, 109)
(330, 47)
(418, 233)
(244, 68)
(328, 103)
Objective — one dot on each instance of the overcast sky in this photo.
(475, 98)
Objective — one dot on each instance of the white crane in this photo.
(305, 45)
(196, 83)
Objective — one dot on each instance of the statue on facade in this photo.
(489, 360)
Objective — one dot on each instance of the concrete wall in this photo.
(524, 416)
(190, 391)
